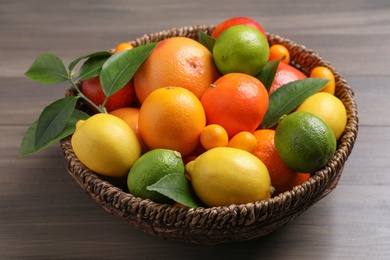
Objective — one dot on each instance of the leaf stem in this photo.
(99, 108)
(105, 101)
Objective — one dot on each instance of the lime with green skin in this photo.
(150, 168)
(241, 48)
(304, 141)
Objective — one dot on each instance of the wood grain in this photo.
(44, 214)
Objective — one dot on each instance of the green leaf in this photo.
(177, 187)
(28, 146)
(48, 69)
(97, 55)
(92, 67)
(53, 119)
(268, 73)
(289, 96)
(120, 67)
(206, 40)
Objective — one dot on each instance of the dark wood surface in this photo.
(44, 214)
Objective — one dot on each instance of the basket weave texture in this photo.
(210, 226)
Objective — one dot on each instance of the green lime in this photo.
(304, 141)
(149, 169)
(241, 48)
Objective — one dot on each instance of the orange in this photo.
(237, 102)
(285, 74)
(172, 118)
(279, 52)
(213, 136)
(324, 73)
(243, 140)
(283, 178)
(236, 21)
(176, 61)
(130, 116)
(92, 89)
(123, 46)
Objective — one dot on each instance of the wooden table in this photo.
(44, 214)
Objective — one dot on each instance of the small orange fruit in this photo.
(130, 116)
(285, 74)
(283, 178)
(123, 46)
(213, 136)
(324, 73)
(172, 118)
(176, 61)
(243, 140)
(279, 52)
(92, 89)
(237, 102)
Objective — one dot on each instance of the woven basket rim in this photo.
(149, 216)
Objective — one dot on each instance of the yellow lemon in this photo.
(106, 145)
(329, 108)
(225, 175)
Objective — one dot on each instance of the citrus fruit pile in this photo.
(192, 127)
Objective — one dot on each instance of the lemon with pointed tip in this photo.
(329, 108)
(225, 175)
(106, 145)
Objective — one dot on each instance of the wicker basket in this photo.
(209, 226)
